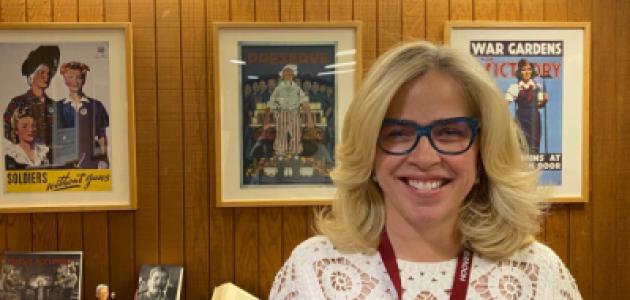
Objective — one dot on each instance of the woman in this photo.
(86, 115)
(430, 188)
(38, 68)
(26, 153)
(529, 97)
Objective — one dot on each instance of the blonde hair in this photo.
(500, 214)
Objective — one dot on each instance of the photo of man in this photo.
(159, 282)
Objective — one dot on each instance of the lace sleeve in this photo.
(286, 285)
(565, 286)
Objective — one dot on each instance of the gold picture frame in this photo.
(80, 154)
(556, 124)
(256, 165)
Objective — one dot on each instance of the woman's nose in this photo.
(424, 154)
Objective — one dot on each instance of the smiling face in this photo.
(526, 72)
(424, 187)
(157, 281)
(25, 130)
(74, 80)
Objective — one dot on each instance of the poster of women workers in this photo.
(67, 107)
(529, 74)
(55, 116)
(541, 70)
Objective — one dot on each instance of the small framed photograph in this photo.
(68, 140)
(42, 275)
(160, 282)
(542, 70)
(281, 91)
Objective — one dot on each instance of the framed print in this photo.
(42, 275)
(542, 70)
(67, 103)
(281, 90)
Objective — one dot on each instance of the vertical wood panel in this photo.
(365, 11)
(196, 199)
(70, 231)
(485, 10)
(3, 234)
(65, 11)
(623, 94)
(91, 10)
(13, 11)
(340, 10)
(269, 219)
(315, 10)
(437, 14)
(95, 250)
(292, 10)
(146, 216)
(19, 232)
(413, 20)
(580, 10)
(221, 219)
(604, 147)
(123, 278)
(555, 10)
(509, 10)
(170, 126)
(532, 10)
(461, 10)
(44, 232)
(389, 24)
(38, 11)
(117, 10)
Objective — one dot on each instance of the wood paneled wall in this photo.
(176, 221)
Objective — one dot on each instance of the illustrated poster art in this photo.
(41, 276)
(55, 100)
(288, 113)
(530, 74)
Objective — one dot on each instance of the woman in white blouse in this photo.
(26, 153)
(433, 198)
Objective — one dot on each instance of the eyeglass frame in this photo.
(421, 131)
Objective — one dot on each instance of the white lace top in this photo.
(316, 270)
(20, 156)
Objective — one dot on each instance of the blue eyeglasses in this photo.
(447, 136)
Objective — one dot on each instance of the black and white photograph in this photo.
(41, 276)
(159, 282)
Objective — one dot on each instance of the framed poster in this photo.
(542, 70)
(281, 90)
(42, 275)
(68, 139)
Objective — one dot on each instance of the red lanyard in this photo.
(462, 270)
